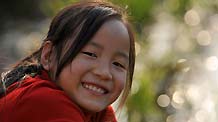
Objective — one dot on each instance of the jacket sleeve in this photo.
(41, 103)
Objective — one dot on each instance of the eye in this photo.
(119, 65)
(90, 54)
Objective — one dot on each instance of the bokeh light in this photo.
(171, 118)
(204, 38)
(201, 116)
(178, 97)
(192, 17)
(163, 100)
(211, 63)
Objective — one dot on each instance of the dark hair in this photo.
(70, 30)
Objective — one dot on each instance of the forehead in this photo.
(116, 29)
(112, 35)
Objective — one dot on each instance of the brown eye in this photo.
(90, 54)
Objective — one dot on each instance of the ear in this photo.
(46, 55)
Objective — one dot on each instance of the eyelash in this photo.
(90, 54)
(119, 65)
(95, 56)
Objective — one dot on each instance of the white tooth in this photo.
(97, 90)
(94, 88)
(101, 91)
(90, 87)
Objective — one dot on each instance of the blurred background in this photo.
(176, 44)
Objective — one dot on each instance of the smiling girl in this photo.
(85, 63)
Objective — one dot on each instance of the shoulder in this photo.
(42, 100)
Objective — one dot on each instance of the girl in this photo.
(85, 63)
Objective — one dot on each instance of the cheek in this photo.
(119, 85)
(121, 81)
(78, 69)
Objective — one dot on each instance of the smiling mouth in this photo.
(94, 88)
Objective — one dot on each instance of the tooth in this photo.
(91, 87)
(94, 88)
(99, 90)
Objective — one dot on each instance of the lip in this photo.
(97, 85)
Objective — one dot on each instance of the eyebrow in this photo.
(119, 53)
(124, 55)
(95, 44)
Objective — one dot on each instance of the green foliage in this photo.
(139, 10)
(177, 7)
(50, 9)
(143, 101)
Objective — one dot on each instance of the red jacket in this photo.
(40, 100)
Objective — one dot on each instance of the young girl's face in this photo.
(97, 75)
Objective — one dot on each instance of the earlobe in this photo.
(46, 55)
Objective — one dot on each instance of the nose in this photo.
(102, 70)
